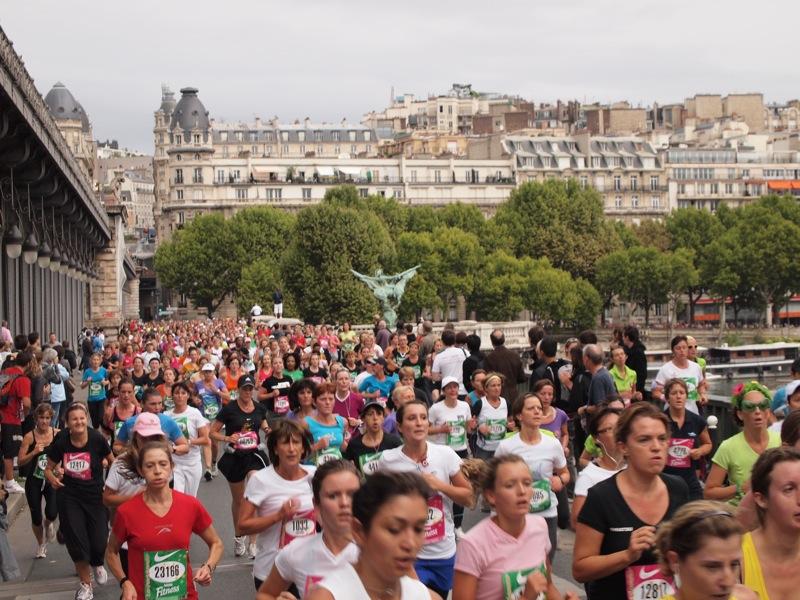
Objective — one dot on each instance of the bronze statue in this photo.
(388, 289)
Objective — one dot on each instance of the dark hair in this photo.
(535, 334)
(587, 337)
(677, 340)
(542, 383)
(761, 475)
(33, 337)
(24, 358)
(401, 412)
(519, 406)
(326, 470)
(326, 387)
(497, 338)
(150, 393)
(488, 477)
(284, 430)
(147, 447)
(689, 527)
(795, 368)
(473, 343)
(297, 387)
(631, 332)
(672, 383)
(380, 488)
(20, 342)
(73, 406)
(475, 373)
(636, 411)
(597, 418)
(181, 385)
(548, 346)
(576, 358)
(790, 429)
(44, 408)
(448, 337)
(126, 381)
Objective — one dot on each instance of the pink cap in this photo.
(148, 424)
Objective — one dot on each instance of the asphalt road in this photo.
(53, 578)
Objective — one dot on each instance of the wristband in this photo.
(122, 581)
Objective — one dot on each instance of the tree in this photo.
(260, 231)
(466, 217)
(560, 221)
(459, 257)
(422, 219)
(195, 262)
(647, 281)
(611, 279)
(501, 291)
(587, 306)
(693, 230)
(652, 233)
(258, 280)
(682, 275)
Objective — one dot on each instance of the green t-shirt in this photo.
(737, 458)
(623, 384)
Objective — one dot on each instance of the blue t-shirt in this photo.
(373, 384)
(335, 433)
(779, 398)
(168, 426)
(97, 391)
(211, 403)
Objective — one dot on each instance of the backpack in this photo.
(6, 383)
(579, 394)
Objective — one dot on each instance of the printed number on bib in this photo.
(301, 524)
(457, 436)
(95, 389)
(183, 425)
(369, 462)
(434, 526)
(541, 495)
(169, 403)
(247, 441)
(678, 453)
(210, 406)
(165, 575)
(41, 464)
(497, 429)
(282, 405)
(647, 582)
(78, 465)
(514, 582)
(327, 455)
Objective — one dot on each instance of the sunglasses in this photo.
(691, 347)
(750, 407)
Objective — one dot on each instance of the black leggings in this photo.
(84, 524)
(96, 413)
(37, 490)
(458, 510)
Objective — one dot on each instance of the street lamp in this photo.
(13, 241)
(30, 248)
(44, 255)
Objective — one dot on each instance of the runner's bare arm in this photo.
(215, 548)
(115, 566)
(274, 587)
(24, 456)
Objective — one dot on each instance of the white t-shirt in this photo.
(344, 584)
(307, 561)
(590, 476)
(268, 491)
(119, 484)
(457, 416)
(542, 459)
(776, 427)
(692, 375)
(189, 421)
(490, 413)
(450, 363)
(444, 463)
(360, 378)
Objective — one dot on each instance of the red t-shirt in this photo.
(144, 531)
(11, 413)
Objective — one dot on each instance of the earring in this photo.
(676, 577)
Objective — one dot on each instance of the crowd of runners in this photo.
(350, 457)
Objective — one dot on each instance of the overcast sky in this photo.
(329, 59)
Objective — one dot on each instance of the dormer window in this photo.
(178, 139)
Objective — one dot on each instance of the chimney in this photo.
(307, 122)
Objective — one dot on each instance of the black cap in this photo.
(377, 361)
(246, 381)
(372, 404)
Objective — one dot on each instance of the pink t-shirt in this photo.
(499, 560)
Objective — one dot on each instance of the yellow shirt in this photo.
(752, 576)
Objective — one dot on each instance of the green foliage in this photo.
(466, 217)
(652, 233)
(260, 231)
(259, 279)
(560, 221)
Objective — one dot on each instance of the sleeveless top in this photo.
(232, 383)
(31, 466)
(752, 576)
(344, 584)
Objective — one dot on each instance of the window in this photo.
(634, 201)
(178, 175)
(584, 182)
(335, 136)
(441, 108)
(241, 193)
(320, 150)
(235, 174)
(285, 136)
(368, 148)
(196, 139)
(177, 156)
(617, 183)
(363, 192)
(397, 193)
(178, 139)
(223, 136)
(745, 173)
(197, 195)
(366, 136)
(618, 202)
(449, 110)
(181, 218)
(254, 150)
(634, 182)
(413, 175)
(302, 149)
(269, 150)
(729, 188)
(197, 156)
(352, 135)
(654, 182)
(655, 201)
(714, 188)
(353, 149)
(306, 193)
(179, 194)
(437, 176)
(681, 188)
(337, 150)
(596, 162)
(301, 136)
(285, 149)
(197, 177)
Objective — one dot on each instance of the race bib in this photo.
(647, 582)
(678, 453)
(138, 391)
(369, 462)
(691, 385)
(78, 465)
(311, 581)
(497, 429)
(165, 575)
(434, 526)
(41, 464)
(247, 441)
(183, 425)
(457, 436)
(95, 389)
(282, 405)
(210, 406)
(169, 403)
(541, 495)
(514, 581)
(234, 395)
(301, 524)
(117, 426)
(327, 455)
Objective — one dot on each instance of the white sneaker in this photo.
(214, 470)
(12, 487)
(239, 547)
(84, 592)
(459, 533)
(252, 550)
(41, 551)
(100, 575)
(50, 531)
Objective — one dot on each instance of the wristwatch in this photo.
(122, 581)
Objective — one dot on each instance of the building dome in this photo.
(63, 106)
(189, 113)
(167, 100)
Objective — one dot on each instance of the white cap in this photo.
(208, 367)
(791, 388)
(448, 380)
